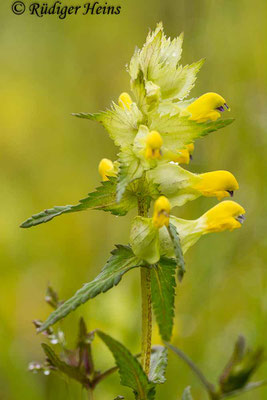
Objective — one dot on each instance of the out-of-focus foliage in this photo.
(51, 68)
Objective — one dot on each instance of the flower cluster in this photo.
(156, 134)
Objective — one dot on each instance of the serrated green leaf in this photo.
(158, 364)
(130, 169)
(104, 198)
(121, 261)
(163, 295)
(177, 131)
(121, 123)
(68, 370)
(187, 394)
(177, 250)
(130, 370)
(178, 82)
(144, 239)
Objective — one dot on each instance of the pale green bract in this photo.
(121, 123)
(158, 63)
(144, 240)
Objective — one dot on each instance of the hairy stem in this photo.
(146, 305)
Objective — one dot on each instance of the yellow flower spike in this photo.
(207, 107)
(153, 145)
(161, 213)
(226, 215)
(125, 100)
(217, 183)
(106, 169)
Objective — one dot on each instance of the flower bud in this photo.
(153, 145)
(207, 107)
(125, 100)
(106, 169)
(161, 213)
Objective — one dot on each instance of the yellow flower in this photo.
(206, 107)
(106, 169)
(217, 183)
(125, 100)
(161, 213)
(227, 215)
(183, 156)
(153, 145)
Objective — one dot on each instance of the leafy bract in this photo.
(104, 198)
(130, 370)
(121, 261)
(163, 295)
(121, 123)
(177, 130)
(157, 63)
(144, 239)
(158, 364)
(175, 182)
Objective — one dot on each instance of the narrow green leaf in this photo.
(163, 295)
(158, 364)
(177, 250)
(121, 261)
(104, 198)
(68, 370)
(130, 370)
(187, 394)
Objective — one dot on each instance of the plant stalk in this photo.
(146, 306)
(90, 394)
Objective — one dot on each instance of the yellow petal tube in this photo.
(207, 107)
(125, 100)
(106, 169)
(153, 145)
(227, 215)
(161, 213)
(218, 184)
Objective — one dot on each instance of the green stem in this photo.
(146, 305)
(146, 318)
(90, 394)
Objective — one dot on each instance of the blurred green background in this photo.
(50, 68)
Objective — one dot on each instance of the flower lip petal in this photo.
(231, 192)
(240, 218)
(221, 108)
